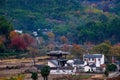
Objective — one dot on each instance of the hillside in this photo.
(80, 21)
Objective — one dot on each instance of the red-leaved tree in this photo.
(18, 44)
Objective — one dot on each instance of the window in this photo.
(89, 70)
(89, 59)
(99, 59)
(93, 59)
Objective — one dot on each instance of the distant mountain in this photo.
(85, 20)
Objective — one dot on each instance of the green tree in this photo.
(5, 27)
(113, 29)
(2, 48)
(2, 3)
(45, 72)
(102, 48)
(111, 67)
(34, 76)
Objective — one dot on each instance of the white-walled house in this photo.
(97, 59)
(93, 62)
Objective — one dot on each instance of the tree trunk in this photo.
(46, 77)
(33, 57)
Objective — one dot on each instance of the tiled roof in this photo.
(58, 53)
(78, 62)
(92, 56)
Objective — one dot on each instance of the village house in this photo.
(93, 62)
(58, 63)
(97, 59)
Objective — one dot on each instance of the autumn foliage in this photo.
(63, 39)
(20, 42)
(13, 34)
(77, 50)
(115, 50)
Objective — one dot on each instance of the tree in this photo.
(2, 46)
(18, 44)
(77, 50)
(29, 40)
(50, 47)
(113, 29)
(63, 39)
(51, 36)
(102, 48)
(115, 50)
(31, 43)
(32, 51)
(111, 67)
(2, 3)
(65, 47)
(45, 72)
(13, 34)
(5, 27)
(34, 76)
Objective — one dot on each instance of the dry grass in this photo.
(13, 62)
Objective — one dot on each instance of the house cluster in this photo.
(90, 63)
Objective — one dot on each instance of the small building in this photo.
(58, 63)
(78, 63)
(57, 58)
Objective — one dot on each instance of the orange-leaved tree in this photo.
(63, 39)
(77, 50)
(115, 50)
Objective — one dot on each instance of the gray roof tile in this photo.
(92, 56)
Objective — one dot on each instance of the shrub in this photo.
(111, 67)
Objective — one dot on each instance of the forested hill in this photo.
(78, 20)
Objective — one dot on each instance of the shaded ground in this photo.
(114, 74)
(114, 78)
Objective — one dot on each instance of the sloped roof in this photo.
(58, 53)
(78, 62)
(92, 56)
